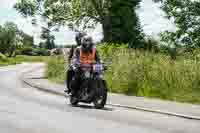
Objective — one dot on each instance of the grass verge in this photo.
(55, 69)
(154, 75)
(19, 59)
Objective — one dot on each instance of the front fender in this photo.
(102, 83)
(105, 84)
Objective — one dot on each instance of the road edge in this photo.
(41, 88)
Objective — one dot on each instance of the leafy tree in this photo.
(8, 35)
(1, 28)
(27, 40)
(186, 15)
(124, 22)
(49, 39)
(41, 45)
(11, 38)
(118, 18)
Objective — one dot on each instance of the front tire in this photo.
(73, 100)
(101, 96)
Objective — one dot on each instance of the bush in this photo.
(18, 52)
(41, 52)
(3, 57)
(27, 51)
(33, 51)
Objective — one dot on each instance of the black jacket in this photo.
(71, 53)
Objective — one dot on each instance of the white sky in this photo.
(150, 15)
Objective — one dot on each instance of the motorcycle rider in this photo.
(85, 54)
(78, 38)
(70, 72)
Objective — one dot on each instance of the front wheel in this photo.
(73, 100)
(101, 96)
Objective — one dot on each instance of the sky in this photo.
(151, 17)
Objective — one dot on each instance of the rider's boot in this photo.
(68, 91)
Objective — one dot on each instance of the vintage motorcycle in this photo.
(92, 87)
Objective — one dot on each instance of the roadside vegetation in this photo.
(154, 73)
(56, 69)
(4, 61)
(17, 47)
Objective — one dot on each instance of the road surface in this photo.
(27, 110)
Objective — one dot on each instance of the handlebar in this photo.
(77, 66)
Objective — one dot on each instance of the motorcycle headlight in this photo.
(87, 74)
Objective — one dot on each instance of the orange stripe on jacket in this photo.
(87, 58)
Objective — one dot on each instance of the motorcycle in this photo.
(92, 88)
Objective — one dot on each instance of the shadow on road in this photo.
(91, 107)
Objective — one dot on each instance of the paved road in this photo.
(27, 110)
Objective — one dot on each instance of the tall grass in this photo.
(55, 69)
(147, 74)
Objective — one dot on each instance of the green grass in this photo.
(22, 58)
(139, 73)
(154, 75)
(55, 69)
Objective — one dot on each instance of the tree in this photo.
(186, 15)
(27, 40)
(118, 18)
(41, 45)
(11, 38)
(124, 23)
(49, 39)
(8, 38)
(1, 36)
